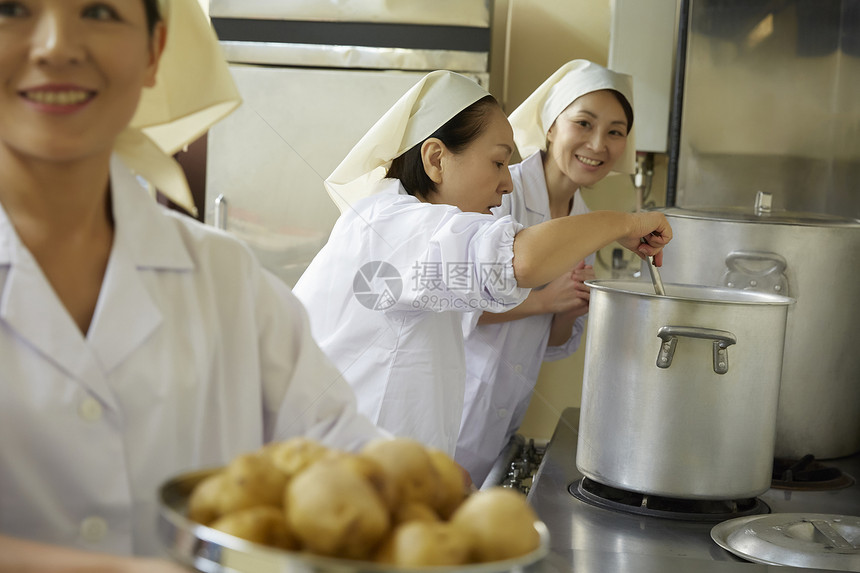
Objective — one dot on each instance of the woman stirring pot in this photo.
(573, 130)
(417, 247)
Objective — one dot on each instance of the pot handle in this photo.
(670, 334)
(758, 271)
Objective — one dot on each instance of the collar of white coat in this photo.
(533, 118)
(193, 90)
(142, 228)
(535, 192)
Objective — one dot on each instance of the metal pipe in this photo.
(677, 103)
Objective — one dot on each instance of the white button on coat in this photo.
(90, 410)
(93, 529)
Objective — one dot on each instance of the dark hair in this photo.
(153, 15)
(625, 105)
(457, 133)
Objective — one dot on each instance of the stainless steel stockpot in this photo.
(813, 258)
(680, 391)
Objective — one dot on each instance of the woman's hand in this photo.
(649, 233)
(562, 322)
(24, 555)
(567, 293)
(581, 273)
(579, 294)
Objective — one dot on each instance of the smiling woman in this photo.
(427, 228)
(130, 350)
(68, 64)
(573, 131)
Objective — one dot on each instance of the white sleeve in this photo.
(553, 353)
(304, 394)
(467, 266)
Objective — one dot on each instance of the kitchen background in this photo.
(737, 50)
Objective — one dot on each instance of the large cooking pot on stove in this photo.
(680, 391)
(814, 259)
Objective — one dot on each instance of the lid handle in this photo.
(831, 534)
(763, 201)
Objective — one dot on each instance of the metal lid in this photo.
(811, 540)
(749, 215)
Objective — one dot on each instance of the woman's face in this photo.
(71, 74)
(476, 178)
(588, 137)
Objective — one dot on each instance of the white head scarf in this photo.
(533, 118)
(193, 90)
(427, 106)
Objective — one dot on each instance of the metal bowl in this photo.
(210, 550)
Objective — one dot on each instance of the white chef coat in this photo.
(404, 358)
(194, 355)
(503, 360)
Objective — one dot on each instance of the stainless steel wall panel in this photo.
(444, 12)
(771, 104)
(314, 55)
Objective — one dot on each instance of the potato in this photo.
(452, 486)
(410, 466)
(247, 481)
(423, 543)
(293, 455)
(252, 479)
(413, 511)
(261, 524)
(500, 522)
(335, 511)
(204, 502)
(375, 474)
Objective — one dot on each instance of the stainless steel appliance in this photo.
(590, 538)
(766, 99)
(314, 76)
(813, 258)
(693, 374)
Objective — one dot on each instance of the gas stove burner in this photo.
(808, 475)
(703, 510)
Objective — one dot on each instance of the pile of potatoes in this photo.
(395, 502)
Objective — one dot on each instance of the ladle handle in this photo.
(655, 277)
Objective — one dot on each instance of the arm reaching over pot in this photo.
(545, 251)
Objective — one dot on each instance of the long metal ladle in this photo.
(655, 277)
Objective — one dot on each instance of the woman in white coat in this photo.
(573, 131)
(416, 249)
(135, 343)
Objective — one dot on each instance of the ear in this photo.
(156, 49)
(432, 151)
(550, 134)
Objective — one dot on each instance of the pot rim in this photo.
(682, 292)
(746, 215)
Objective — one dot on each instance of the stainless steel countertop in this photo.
(590, 539)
